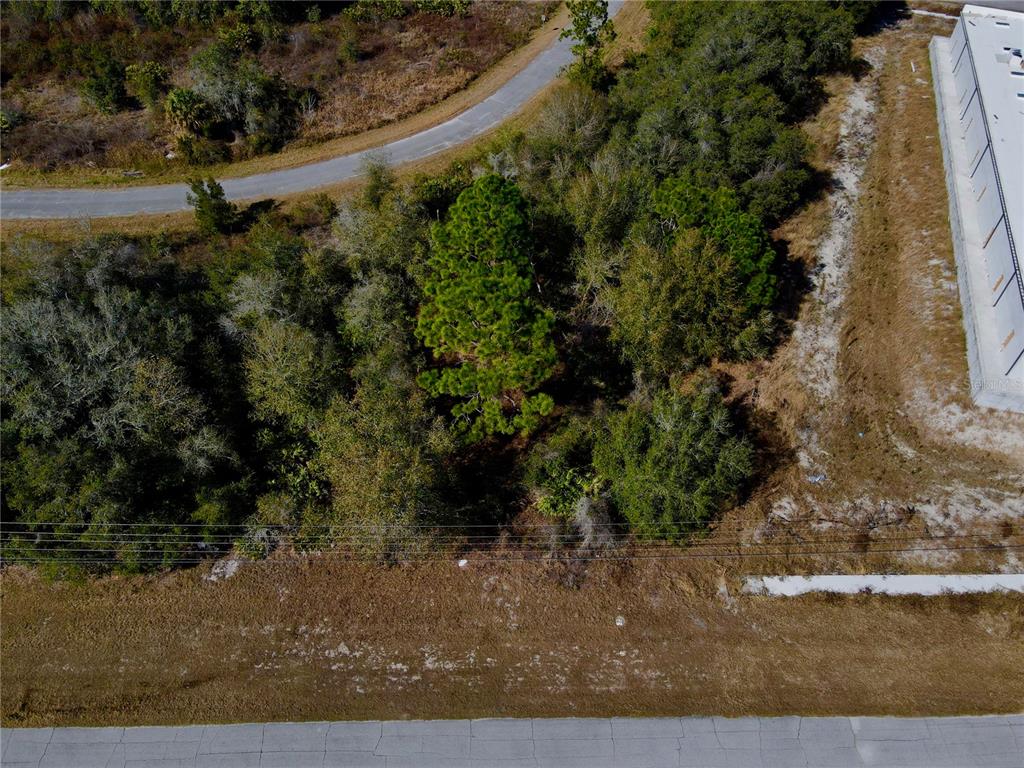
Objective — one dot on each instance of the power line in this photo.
(487, 541)
(567, 557)
(415, 526)
(181, 552)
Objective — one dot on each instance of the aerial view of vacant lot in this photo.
(548, 340)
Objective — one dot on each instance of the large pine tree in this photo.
(487, 330)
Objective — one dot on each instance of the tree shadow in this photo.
(484, 485)
(593, 369)
(251, 213)
(883, 16)
(772, 447)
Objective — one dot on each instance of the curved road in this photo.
(168, 198)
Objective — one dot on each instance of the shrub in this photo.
(317, 211)
(10, 118)
(104, 84)
(148, 81)
(380, 180)
(214, 214)
(591, 29)
(187, 111)
(673, 462)
(436, 194)
(377, 10)
(558, 470)
(200, 151)
(239, 37)
(348, 41)
(443, 7)
(275, 516)
(241, 95)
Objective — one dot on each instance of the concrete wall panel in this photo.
(963, 80)
(1010, 329)
(975, 139)
(957, 42)
(999, 263)
(989, 207)
(971, 118)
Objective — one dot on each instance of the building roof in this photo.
(996, 38)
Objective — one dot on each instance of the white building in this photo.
(979, 87)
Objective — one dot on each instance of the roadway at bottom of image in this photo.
(695, 742)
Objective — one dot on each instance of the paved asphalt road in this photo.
(766, 742)
(166, 198)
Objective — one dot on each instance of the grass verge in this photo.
(331, 640)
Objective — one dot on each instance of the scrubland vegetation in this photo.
(149, 86)
(537, 330)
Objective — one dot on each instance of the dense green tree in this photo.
(274, 381)
(605, 199)
(719, 88)
(591, 29)
(673, 462)
(382, 452)
(740, 235)
(285, 371)
(480, 316)
(103, 421)
(677, 309)
(214, 214)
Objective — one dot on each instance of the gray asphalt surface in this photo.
(711, 742)
(168, 198)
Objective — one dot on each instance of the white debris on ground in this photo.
(723, 594)
(879, 584)
(223, 569)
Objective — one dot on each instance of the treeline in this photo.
(167, 13)
(534, 328)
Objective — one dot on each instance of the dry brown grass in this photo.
(630, 28)
(68, 231)
(904, 451)
(937, 6)
(322, 640)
